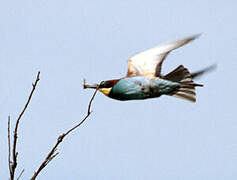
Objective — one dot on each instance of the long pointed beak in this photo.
(94, 86)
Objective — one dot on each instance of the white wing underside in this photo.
(149, 62)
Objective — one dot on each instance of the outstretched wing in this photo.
(149, 62)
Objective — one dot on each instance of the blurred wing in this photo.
(149, 62)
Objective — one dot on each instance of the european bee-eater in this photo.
(144, 79)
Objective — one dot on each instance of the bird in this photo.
(144, 79)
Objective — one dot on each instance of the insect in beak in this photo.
(94, 86)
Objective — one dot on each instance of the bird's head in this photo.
(105, 86)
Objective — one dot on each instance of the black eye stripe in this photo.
(107, 84)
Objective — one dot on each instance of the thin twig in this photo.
(20, 174)
(9, 146)
(14, 152)
(52, 153)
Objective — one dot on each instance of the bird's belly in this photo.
(138, 88)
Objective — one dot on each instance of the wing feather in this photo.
(149, 62)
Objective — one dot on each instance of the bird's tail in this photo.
(199, 73)
(187, 87)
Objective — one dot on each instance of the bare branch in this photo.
(20, 174)
(14, 152)
(9, 146)
(52, 153)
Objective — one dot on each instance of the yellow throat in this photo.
(105, 91)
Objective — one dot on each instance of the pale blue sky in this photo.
(164, 138)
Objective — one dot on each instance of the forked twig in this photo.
(52, 154)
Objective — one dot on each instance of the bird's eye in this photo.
(102, 83)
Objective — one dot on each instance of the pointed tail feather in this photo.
(187, 86)
(203, 71)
